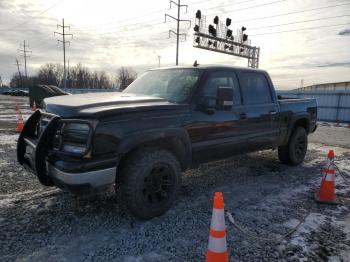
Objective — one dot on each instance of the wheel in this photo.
(294, 152)
(149, 181)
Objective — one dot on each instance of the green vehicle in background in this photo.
(38, 93)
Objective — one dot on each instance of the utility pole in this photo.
(64, 42)
(178, 20)
(68, 76)
(159, 57)
(25, 51)
(19, 72)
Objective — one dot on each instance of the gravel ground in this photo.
(266, 198)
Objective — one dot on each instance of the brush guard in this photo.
(34, 143)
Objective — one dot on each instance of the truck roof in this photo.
(213, 66)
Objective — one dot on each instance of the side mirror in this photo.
(207, 105)
(224, 98)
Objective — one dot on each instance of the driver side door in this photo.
(215, 133)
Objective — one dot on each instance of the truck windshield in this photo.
(174, 85)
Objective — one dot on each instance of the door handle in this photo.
(242, 115)
(272, 112)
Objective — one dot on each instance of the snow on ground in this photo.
(266, 198)
(13, 118)
(8, 139)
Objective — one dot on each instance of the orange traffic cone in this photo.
(34, 106)
(217, 247)
(20, 124)
(326, 194)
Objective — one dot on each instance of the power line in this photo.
(139, 23)
(153, 20)
(154, 12)
(145, 15)
(290, 13)
(245, 8)
(298, 22)
(300, 29)
(242, 2)
(64, 42)
(178, 20)
(35, 17)
(245, 20)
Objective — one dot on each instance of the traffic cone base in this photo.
(212, 256)
(334, 201)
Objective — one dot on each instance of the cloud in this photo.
(108, 35)
(344, 32)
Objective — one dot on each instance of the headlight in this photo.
(73, 137)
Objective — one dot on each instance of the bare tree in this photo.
(15, 81)
(103, 80)
(94, 80)
(81, 77)
(125, 76)
(51, 74)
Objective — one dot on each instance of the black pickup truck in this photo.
(165, 122)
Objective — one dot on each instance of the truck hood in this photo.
(103, 104)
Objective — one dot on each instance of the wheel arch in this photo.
(175, 141)
(298, 120)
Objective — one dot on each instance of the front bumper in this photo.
(82, 182)
(34, 153)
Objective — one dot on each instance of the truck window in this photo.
(175, 85)
(223, 79)
(255, 88)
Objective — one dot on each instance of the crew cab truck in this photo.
(167, 121)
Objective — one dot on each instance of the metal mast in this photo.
(178, 20)
(64, 42)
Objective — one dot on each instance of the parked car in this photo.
(7, 92)
(20, 93)
(165, 122)
(15, 92)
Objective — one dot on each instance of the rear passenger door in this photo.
(259, 111)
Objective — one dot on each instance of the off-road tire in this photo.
(294, 152)
(135, 186)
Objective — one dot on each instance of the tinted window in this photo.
(255, 88)
(221, 79)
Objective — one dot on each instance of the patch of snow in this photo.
(8, 139)
(332, 124)
(312, 223)
(6, 202)
(323, 149)
(345, 224)
(292, 223)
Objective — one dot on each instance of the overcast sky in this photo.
(109, 34)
